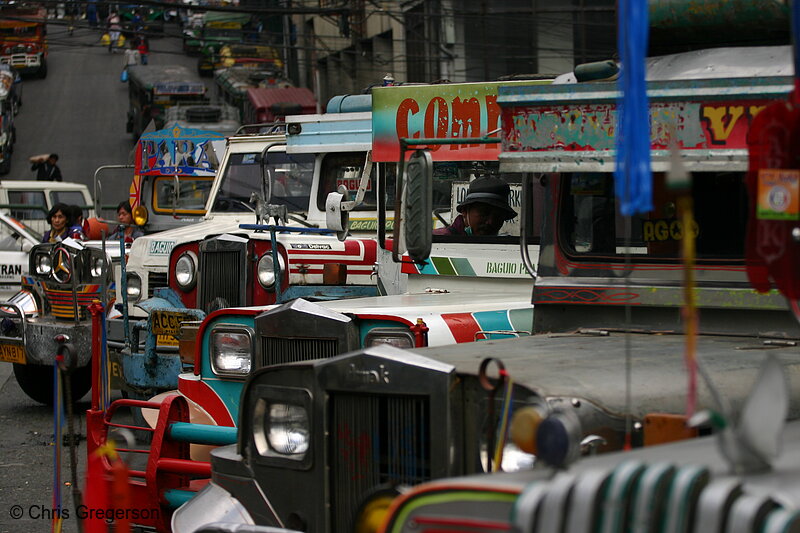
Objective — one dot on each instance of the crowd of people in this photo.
(68, 222)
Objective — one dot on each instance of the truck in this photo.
(232, 83)
(23, 38)
(9, 106)
(316, 438)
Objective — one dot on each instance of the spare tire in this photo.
(203, 114)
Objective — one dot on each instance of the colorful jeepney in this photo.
(317, 438)
(173, 171)
(23, 38)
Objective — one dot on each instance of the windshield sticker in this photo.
(248, 159)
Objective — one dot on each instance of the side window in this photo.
(35, 199)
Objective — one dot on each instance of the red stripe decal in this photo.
(203, 395)
(463, 326)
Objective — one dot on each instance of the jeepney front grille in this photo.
(374, 440)
(279, 350)
(156, 280)
(222, 275)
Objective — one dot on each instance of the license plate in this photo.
(167, 322)
(166, 340)
(12, 353)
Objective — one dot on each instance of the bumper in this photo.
(213, 504)
(22, 62)
(40, 346)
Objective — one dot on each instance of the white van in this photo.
(30, 201)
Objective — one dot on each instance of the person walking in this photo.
(143, 48)
(46, 168)
(131, 58)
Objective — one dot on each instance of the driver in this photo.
(484, 209)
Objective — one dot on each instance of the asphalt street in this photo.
(78, 111)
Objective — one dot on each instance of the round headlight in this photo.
(134, 286)
(43, 265)
(98, 265)
(140, 215)
(288, 428)
(185, 270)
(266, 270)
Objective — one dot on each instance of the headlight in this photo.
(231, 351)
(185, 271)
(43, 265)
(266, 270)
(397, 337)
(97, 267)
(288, 429)
(134, 286)
(140, 215)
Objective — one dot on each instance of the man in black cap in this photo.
(484, 209)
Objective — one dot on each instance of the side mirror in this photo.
(337, 218)
(418, 205)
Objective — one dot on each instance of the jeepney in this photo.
(213, 29)
(23, 38)
(173, 171)
(243, 54)
(265, 264)
(272, 105)
(52, 309)
(220, 118)
(154, 88)
(317, 438)
(233, 82)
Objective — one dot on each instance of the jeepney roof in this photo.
(151, 75)
(593, 367)
(729, 62)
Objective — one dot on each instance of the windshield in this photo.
(591, 225)
(292, 175)
(344, 169)
(12, 233)
(451, 184)
(192, 195)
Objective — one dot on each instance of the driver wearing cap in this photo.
(484, 209)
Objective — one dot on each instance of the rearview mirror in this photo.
(418, 205)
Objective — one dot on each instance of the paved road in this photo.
(78, 111)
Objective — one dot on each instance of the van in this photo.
(30, 201)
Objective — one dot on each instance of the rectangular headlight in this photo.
(231, 351)
(397, 337)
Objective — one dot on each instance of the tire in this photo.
(36, 381)
(42, 70)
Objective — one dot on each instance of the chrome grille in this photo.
(222, 275)
(375, 440)
(156, 280)
(278, 350)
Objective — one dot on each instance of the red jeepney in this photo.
(23, 38)
(265, 105)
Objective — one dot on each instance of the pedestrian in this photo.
(131, 56)
(59, 220)
(46, 168)
(143, 48)
(126, 227)
(114, 24)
